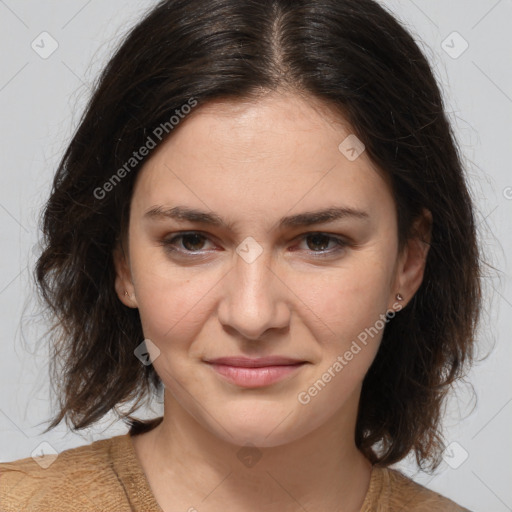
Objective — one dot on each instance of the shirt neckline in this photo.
(141, 497)
(132, 476)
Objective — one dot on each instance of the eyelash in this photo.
(169, 244)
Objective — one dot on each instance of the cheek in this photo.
(171, 300)
(348, 300)
(346, 321)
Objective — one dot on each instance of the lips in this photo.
(247, 362)
(255, 372)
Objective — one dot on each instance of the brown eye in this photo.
(320, 241)
(322, 245)
(190, 243)
(193, 242)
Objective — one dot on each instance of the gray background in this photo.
(41, 101)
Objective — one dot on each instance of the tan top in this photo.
(107, 476)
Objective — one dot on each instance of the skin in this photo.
(253, 162)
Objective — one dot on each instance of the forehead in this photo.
(260, 154)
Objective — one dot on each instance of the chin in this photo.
(264, 429)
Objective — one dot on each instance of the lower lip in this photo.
(255, 377)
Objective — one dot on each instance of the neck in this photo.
(188, 466)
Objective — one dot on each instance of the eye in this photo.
(318, 243)
(191, 242)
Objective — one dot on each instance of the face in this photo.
(263, 273)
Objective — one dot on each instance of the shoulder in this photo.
(78, 475)
(396, 491)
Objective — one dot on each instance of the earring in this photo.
(399, 297)
(126, 293)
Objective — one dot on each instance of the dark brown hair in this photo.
(355, 57)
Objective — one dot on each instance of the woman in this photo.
(264, 213)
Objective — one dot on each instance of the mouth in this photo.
(254, 373)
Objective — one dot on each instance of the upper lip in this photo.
(248, 362)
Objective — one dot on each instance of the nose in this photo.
(254, 298)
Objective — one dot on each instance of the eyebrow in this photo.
(183, 213)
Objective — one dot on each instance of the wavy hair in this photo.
(361, 62)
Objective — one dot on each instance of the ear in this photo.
(123, 282)
(412, 261)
